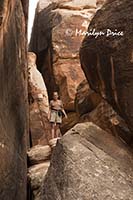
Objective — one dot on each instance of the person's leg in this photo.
(53, 130)
(59, 121)
(52, 120)
(57, 129)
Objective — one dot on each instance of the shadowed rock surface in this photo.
(69, 122)
(36, 174)
(91, 107)
(38, 157)
(13, 100)
(86, 99)
(89, 163)
(107, 61)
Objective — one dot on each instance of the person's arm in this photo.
(63, 110)
(64, 113)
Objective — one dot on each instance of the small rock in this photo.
(36, 174)
(39, 154)
(53, 142)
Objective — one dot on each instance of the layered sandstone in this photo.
(107, 59)
(56, 41)
(39, 105)
(13, 100)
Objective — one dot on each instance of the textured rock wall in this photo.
(56, 41)
(88, 163)
(38, 157)
(39, 106)
(107, 60)
(90, 106)
(25, 5)
(13, 101)
(86, 99)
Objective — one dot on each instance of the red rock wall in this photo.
(55, 42)
(13, 101)
(40, 128)
(107, 60)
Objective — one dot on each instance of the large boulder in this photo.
(107, 59)
(13, 100)
(56, 41)
(105, 117)
(91, 107)
(89, 163)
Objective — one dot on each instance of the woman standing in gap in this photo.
(56, 111)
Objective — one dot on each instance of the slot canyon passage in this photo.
(93, 159)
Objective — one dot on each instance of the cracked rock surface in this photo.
(89, 163)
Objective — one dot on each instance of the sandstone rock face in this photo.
(39, 124)
(38, 162)
(107, 60)
(13, 101)
(39, 105)
(36, 174)
(53, 142)
(91, 107)
(68, 123)
(25, 5)
(105, 117)
(89, 163)
(39, 154)
(56, 39)
(99, 3)
(86, 99)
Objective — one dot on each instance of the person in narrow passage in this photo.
(56, 111)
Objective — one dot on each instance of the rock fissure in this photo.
(93, 75)
(95, 156)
